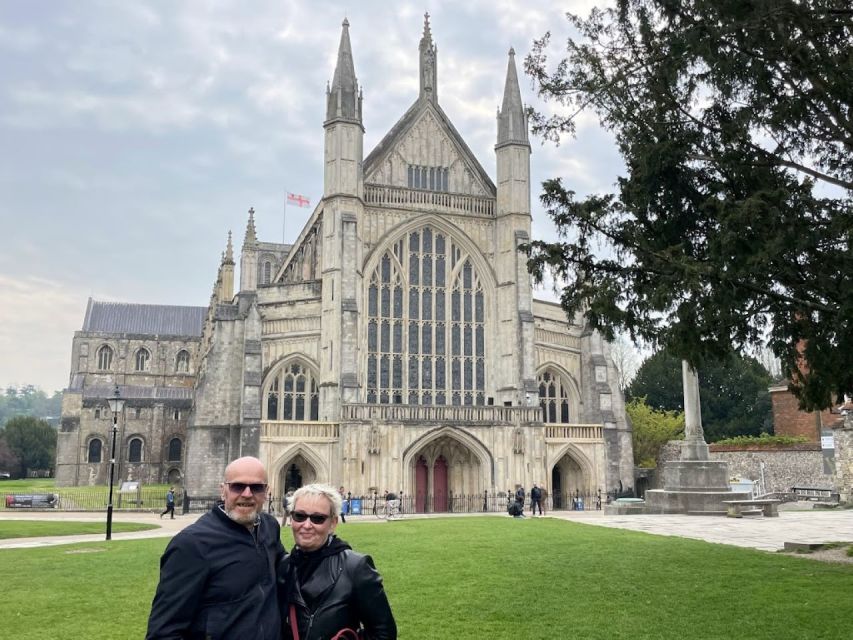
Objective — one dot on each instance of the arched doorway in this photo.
(295, 473)
(568, 479)
(446, 476)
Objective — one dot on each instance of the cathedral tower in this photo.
(343, 209)
(512, 228)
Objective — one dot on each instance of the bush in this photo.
(765, 439)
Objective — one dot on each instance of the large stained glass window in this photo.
(426, 324)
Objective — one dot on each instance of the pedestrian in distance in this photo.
(327, 590)
(286, 506)
(535, 499)
(218, 576)
(170, 503)
(519, 498)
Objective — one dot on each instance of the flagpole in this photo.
(284, 218)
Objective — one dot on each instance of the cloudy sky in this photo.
(135, 135)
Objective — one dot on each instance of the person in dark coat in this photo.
(324, 586)
(218, 576)
(519, 498)
(535, 499)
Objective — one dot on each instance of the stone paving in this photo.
(756, 532)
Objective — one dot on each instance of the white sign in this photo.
(827, 442)
(129, 486)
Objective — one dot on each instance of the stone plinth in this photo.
(693, 486)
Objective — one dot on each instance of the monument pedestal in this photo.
(697, 487)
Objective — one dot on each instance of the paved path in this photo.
(766, 534)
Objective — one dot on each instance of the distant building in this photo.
(396, 344)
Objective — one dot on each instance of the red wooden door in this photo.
(439, 483)
(420, 485)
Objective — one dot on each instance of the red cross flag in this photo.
(296, 199)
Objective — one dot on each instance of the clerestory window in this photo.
(429, 178)
(292, 394)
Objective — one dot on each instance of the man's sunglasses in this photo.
(240, 487)
(316, 518)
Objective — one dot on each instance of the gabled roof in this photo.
(145, 319)
(412, 115)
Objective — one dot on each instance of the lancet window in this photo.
(426, 326)
(429, 178)
(292, 394)
(553, 397)
(105, 358)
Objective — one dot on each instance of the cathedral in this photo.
(395, 345)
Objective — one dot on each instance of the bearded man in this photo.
(217, 576)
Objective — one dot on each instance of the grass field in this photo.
(150, 497)
(483, 578)
(36, 529)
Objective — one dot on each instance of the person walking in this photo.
(170, 503)
(535, 499)
(327, 590)
(218, 576)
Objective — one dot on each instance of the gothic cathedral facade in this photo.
(396, 345)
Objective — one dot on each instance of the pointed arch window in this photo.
(292, 394)
(134, 450)
(553, 397)
(95, 448)
(426, 324)
(266, 272)
(143, 360)
(182, 361)
(105, 358)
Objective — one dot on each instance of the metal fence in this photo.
(90, 499)
(153, 499)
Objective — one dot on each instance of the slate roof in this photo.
(145, 319)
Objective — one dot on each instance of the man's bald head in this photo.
(244, 490)
(245, 465)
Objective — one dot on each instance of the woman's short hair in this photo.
(324, 490)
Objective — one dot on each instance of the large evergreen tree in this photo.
(733, 393)
(32, 441)
(733, 221)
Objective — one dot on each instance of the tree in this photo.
(33, 441)
(651, 429)
(733, 393)
(29, 401)
(8, 461)
(626, 358)
(733, 221)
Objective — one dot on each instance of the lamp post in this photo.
(116, 405)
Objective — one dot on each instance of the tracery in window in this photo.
(105, 358)
(182, 361)
(292, 394)
(553, 397)
(430, 358)
(143, 357)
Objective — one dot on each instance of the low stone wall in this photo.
(783, 468)
(844, 460)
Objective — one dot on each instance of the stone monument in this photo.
(694, 483)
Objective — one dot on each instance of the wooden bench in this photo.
(737, 508)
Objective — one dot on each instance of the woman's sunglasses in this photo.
(316, 518)
(240, 487)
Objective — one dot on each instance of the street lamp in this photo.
(116, 405)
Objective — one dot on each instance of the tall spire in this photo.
(250, 236)
(512, 120)
(428, 67)
(229, 250)
(343, 98)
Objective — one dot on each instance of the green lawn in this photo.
(37, 529)
(480, 578)
(85, 498)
